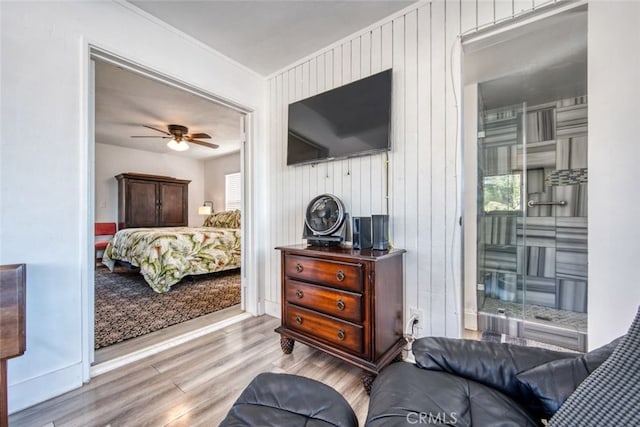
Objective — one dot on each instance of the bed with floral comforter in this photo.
(166, 255)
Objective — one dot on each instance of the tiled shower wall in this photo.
(549, 248)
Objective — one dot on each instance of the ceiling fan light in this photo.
(178, 145)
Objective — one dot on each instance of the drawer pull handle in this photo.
(299, 268)
(341, 334)
(340, 305)
(340, 275)
(299, 319)
(299, 293)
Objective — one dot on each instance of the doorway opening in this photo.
(180, 287)
(526, 149)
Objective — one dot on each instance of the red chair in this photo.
(103, 229)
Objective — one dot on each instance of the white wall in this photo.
(214, 172)
(45, 156)
(112, 160)
(614, 151)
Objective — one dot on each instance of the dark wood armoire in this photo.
(152, 201)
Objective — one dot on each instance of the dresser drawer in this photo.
(331, 273)
(345, 305)
(337, 332)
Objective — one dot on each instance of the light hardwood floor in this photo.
(154, 338)
(193, 384)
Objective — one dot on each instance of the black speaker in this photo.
(361, 232)
(380, 227)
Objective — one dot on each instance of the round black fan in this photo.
(324, 220)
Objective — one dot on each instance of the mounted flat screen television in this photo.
(348, 121)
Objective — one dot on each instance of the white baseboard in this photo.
(43, 387)
(272, 309)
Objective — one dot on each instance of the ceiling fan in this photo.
(179, 136)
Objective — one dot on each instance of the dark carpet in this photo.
(127, 307)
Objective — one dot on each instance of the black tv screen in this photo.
(351, 120)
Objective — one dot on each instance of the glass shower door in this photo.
(532, 241)
(500, 209)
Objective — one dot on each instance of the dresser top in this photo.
(340, 251)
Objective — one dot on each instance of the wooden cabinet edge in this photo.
(12, 329)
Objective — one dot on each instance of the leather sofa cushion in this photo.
(403, 394)
(492, 364)
(552, 382)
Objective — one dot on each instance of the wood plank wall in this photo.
(423, 186)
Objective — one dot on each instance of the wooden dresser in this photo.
(152, 201)
(12, 325)
(345, 302)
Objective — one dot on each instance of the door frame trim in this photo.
(250, 300)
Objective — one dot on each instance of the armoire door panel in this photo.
(173, 201)
(142, 204)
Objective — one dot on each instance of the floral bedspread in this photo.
(166, 255)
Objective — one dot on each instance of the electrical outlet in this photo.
(416, 314)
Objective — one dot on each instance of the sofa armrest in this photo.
(489, 363)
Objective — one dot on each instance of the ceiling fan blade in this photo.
(156, 129)
(148, 136)
(196, 136)
(204, 144)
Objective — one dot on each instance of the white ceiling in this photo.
(264, 35)
(125, 101)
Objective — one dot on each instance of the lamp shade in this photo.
(178, 145)
(204, 210)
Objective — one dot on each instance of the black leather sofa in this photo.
(466, 383)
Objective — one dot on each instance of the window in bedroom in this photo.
(232, 191)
